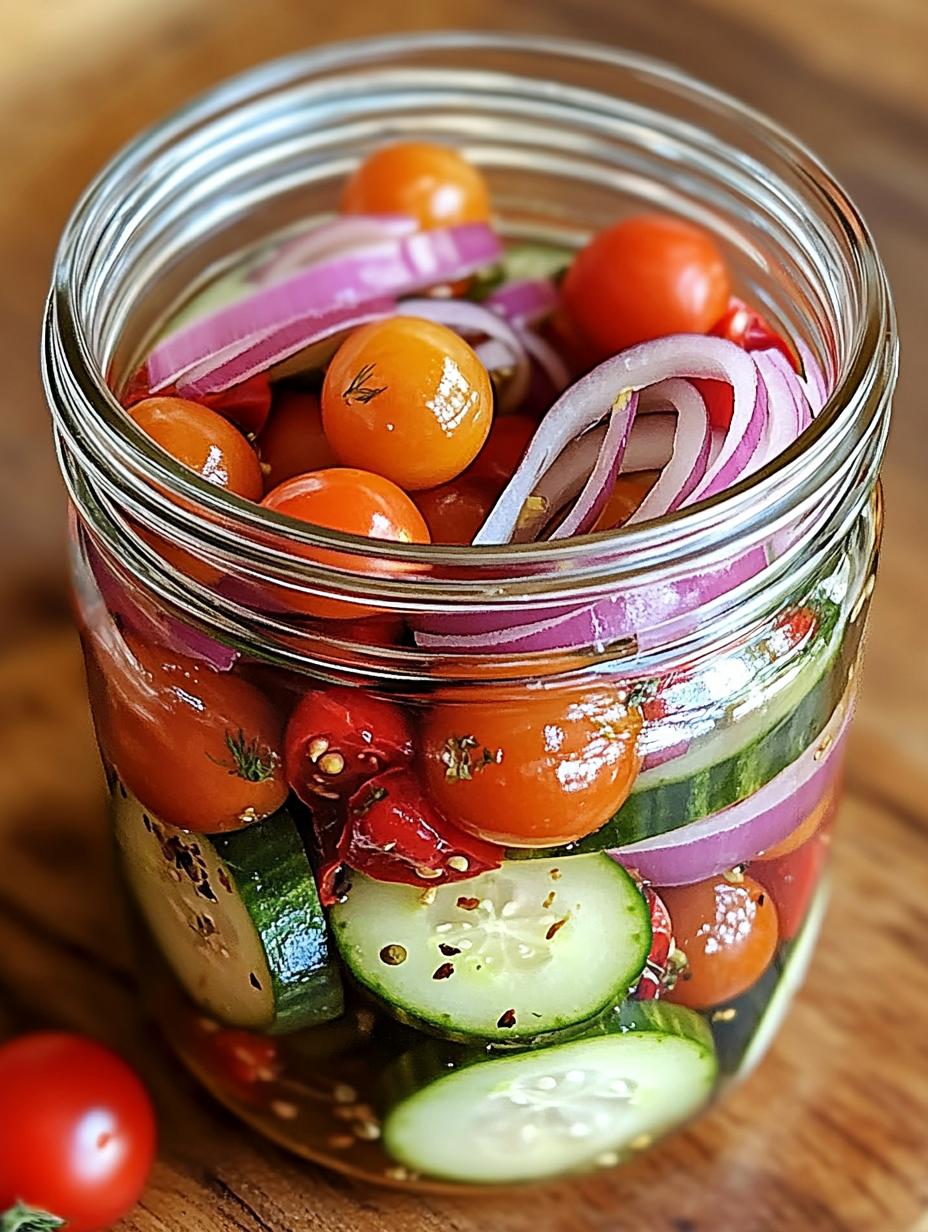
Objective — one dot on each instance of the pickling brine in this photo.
(472, 563)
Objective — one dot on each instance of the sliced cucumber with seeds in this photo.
(236, 916)
(509, 956)
(641, 1072)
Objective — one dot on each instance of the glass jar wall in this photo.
(615, 875)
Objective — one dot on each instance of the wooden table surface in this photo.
(832, 1133)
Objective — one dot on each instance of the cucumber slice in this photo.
(643, 1071)
(733, 764)
(744, 1037)
(509, 956)
(236, 916)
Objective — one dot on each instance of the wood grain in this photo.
(832, 1133)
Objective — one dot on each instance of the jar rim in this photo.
(856, 403)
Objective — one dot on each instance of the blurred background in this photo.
(77, 79)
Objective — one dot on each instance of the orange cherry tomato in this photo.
(455, 511)
(407, 399)
(644, 278)
(728, 932)
(432, 183)
(627, 494)
(358, 503)
(204, 441)
(201, 749)
(539, 771)
(293, 442)
(508, 440)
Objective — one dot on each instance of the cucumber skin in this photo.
(669, 805)
(432, 1061)
(289, 919)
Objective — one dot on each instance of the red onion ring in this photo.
(598, 487)
(348, 233)
(524, 302)
(738, 833)
(690, 451)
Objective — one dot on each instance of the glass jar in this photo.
(562, 1011)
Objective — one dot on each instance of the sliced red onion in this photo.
(337, 236)
(783, 413)
(813, 382)
(546, 358)
(525, 302)
(474, 320)
(738, 833)
(650, 445)
(690, 453)
(560, 485)
(598, 487)
(779, 361)
(151, 623)
(314, 297)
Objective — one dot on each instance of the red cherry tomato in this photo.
(456, 511)
(394, 833)
(359, 503)
(791, 880)
(293, 441)
(337, 738)
(541, 771)
(644, 278)
(431, 182)
(728, 932)
(505, 446)
(383, 630)
(407, 399)
(77, 1131)
(201, 749)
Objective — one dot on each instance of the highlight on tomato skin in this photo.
(409, 399)
(643, 278)
(431, 182)
(359, 503)
(542, 771)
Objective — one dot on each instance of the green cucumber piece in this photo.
(642, 1071)
(520, 261)
(732, 764)
(237, 917)
(745, 1029)
(512, 955)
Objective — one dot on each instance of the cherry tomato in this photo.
(246, 405)
(432, 183)
(540, 771)
(359, 503)
(644, 278)
(384, 629)
(627, 494)
(505, 445)
(748, 329)
(77, 1131)
(455, 511)
(204, 441)
(791, 880)
(394, 833)
(339, 737)
(728, 932)
(201, 749)
(407, 399)
(292, 441)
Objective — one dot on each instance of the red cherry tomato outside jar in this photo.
(433, 183)
(408, 399)
(728, 931)
(293, 441)
(359, 503)
(644, 278)
(337, 738)
(77, 1131)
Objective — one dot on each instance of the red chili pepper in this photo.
(651, 984)
(338, 738)
(748, 329)
(247, 405)
(393, 833)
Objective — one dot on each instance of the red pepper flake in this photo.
(460, 761)
(506, 1021)
(549, 900)
(468, 904)
(555, 874)
(555, 929)
(449, 951)
(444, 972)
